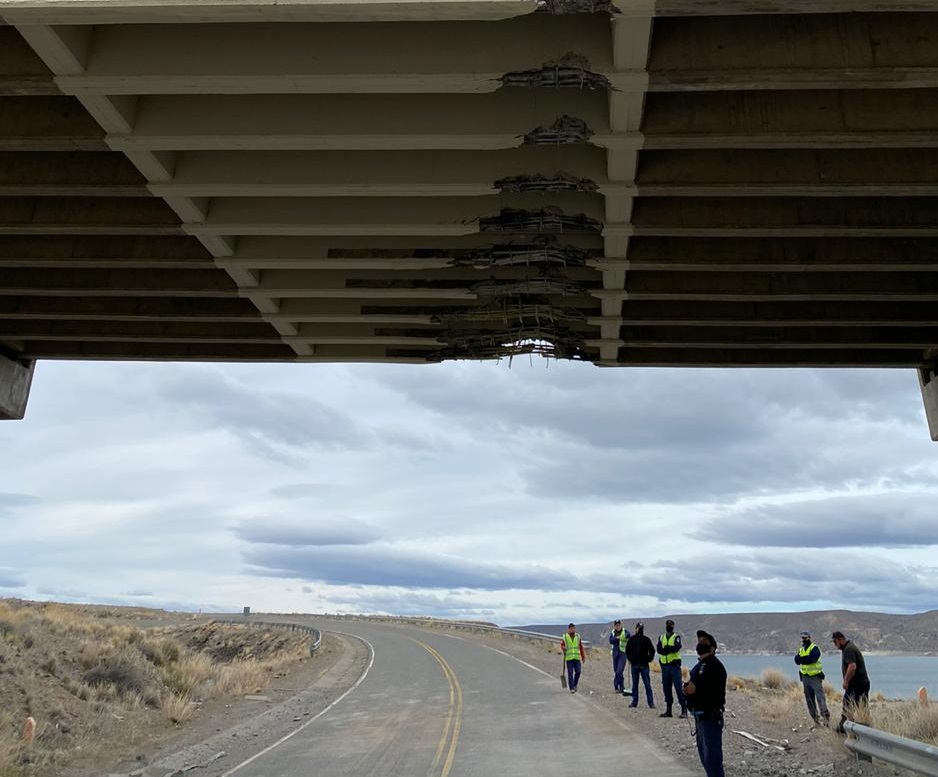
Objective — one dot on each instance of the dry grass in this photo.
(177, 708)
(106, 681)
(774, 679)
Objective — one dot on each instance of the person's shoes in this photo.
(626, 691)
(683, 714)
(573, 690)
(633, 705)
(666, 714)
(651, 706)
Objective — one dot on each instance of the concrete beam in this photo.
(929, 385)
(758, 357)
(242, 11)
(361, 122)
(16, 377)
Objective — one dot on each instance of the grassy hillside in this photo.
(95, 684)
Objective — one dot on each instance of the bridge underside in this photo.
(681, 182)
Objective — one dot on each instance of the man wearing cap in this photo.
(640, 653)
(856, 680)
(808, 659)
(618, 638)
(706, 698)
(669, 656)
(573, 656)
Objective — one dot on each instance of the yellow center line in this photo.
(454, 716)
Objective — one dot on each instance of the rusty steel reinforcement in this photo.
(540, 250)
(558, 182)
(898, 751)
(315, 636)
(549, 219)
(565, 131)
(571, 71)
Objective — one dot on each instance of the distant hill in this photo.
(777, 632)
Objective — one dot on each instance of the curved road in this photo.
(437, 705)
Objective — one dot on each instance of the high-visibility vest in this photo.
(571, 647)
(623, 638)
(666, 641)
(809, 669)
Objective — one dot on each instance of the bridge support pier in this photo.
(15, 380)
(928, 381)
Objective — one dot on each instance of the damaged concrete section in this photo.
(571, 71)
(548, 341)
(543, 285)
(563, 7)
(548, 219)
(16, 377)
(558, 182)
(565, 131)
(543, 250)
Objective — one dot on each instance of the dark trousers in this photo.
(710, 745)
(573, 673)
(671, 679)
(641, 671)
(814, 697)
(618, 672)
(857, 695)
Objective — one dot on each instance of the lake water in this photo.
(898, 677)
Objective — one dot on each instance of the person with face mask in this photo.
(706, 698)
(808, 659)
(640, 652)
(618, 638)
(669, 656)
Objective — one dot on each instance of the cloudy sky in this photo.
(523, 493)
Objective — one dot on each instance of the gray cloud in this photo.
(387, 566)
(307, 531)
(139, 593)
(10, 503)
(684, 436)
(849, 580)
(301, 490)
(895, 520)
(11, 578)
(265, 418)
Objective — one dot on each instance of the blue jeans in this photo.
(671, 678)
(573, 673)
(641, 671)
(710, 745)
(618, 671)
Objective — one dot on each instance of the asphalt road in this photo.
(436, 705)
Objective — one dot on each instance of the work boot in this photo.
(666, 713)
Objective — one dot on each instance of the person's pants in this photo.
(671, 678)
(814, 696)
(641, 671)
(710, 745)
(573, 673)
(618, 672)
(855, 696)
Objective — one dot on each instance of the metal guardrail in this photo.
(315, 635)
(898, 751)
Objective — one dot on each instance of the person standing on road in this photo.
(706, 697)
(808, 659)
(618, 639)
(669, 656)
(856, 681)
(573, 656)
(640, 653)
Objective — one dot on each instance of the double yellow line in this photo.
(453, 723)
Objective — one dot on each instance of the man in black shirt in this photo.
(640, 652)
(856, 680)
(706, 697)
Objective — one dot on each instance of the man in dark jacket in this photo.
(618, 638)
(640, 653)
(669, 656)
(706, 697)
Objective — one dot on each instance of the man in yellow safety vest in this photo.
(808, 660)
(573, 656)
(669, 656)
